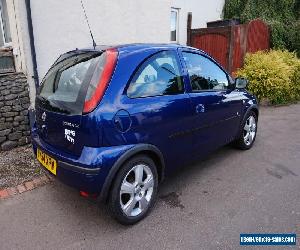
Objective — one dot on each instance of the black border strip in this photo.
(77, 169)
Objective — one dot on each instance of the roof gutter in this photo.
(31, 41)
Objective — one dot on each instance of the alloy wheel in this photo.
(249, 130)
(136, 190)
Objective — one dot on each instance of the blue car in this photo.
(114, 121)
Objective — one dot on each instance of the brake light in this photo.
(84, 194)
(87, 195)
(109, 66)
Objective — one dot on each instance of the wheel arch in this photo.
(253, 108)
(150, 150)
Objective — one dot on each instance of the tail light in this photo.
(105, 76)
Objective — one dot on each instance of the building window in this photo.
(5, 36)
(174, 25)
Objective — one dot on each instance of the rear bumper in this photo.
(87, 172)
(78, 177)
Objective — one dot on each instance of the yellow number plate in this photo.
(47, 161)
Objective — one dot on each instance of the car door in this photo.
(215, 108)
(159, 107)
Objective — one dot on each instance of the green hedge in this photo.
(274, 75)
(281, 15)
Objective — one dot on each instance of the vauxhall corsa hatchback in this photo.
(114, 121)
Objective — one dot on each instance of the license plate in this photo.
(47, 161)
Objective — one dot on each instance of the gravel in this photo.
(18, 166)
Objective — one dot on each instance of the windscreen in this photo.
(66, 84)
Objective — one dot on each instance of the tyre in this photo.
(134, 190)
(247, 134)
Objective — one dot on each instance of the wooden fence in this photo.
(229, 44)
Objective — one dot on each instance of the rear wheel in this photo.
(134, 190)
(248, 132)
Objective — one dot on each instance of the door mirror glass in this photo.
(241, 83)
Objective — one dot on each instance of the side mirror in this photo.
(241, 83)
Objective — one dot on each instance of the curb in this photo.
(26, 186)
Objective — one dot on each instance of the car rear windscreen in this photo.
(67, 83)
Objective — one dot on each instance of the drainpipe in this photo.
(31, 111)
(31, 40)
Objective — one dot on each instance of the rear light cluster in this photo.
(105, 77)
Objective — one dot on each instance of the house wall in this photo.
(20, 42)
(203, 11)
(14, 103)
(14, 87)
(60, 26)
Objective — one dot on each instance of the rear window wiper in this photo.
(43, 100)
(51, 105)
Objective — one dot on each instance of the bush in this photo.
(274, 75)
(281, 15)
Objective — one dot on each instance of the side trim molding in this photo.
(77, 169)
(195, 130)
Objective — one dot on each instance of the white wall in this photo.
(20, 42)
(203, 11)
(59, 25)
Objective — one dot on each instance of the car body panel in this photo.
(101, 159)
(217, 113)
(175, 128)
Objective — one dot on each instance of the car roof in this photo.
(142, 46)
(129, 48)
(135, 47)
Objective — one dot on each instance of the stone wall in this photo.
(14, 103)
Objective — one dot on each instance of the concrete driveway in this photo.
(204, 206)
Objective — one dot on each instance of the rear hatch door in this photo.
(60, 101)
(61, 131)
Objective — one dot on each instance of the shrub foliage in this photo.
(274, 75)
(282, 16)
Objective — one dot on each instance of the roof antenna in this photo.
(87, 21)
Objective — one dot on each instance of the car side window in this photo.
(158, 75)
(204, 73)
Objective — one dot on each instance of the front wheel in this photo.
(134, 190)
(247, 134)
